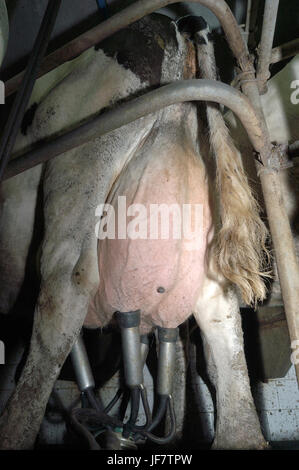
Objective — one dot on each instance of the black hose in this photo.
(114, 400)
(139, 433)
(147, 411)
(146, 407)
(83, 431)
(135, 403)
(22, 98)
(171, 434)
(162, 407)
(84, 401)
(124, 405)
(94, 401)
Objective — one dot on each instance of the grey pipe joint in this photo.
(81, 366)
(133, 365)
(166, 361)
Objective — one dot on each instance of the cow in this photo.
(161, 158)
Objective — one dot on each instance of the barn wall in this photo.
(277, 403)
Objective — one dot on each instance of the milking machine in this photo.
(93, 419)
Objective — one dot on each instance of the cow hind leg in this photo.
(217, 314)
(18, 198)
(69, 277)
(60, 312)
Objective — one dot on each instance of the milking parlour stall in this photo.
(149, 198)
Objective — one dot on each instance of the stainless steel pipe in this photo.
(265, 49)
(133, 367)
(81, 366)
(166, 360)
(185, 90)
(289, 49)
(126, 17)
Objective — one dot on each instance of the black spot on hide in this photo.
(191, 25)
(141, 47)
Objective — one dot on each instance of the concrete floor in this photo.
(277, 402)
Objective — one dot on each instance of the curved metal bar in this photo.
(284, 51)
(180, 91)
(126, 17)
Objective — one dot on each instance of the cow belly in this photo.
(161, 273)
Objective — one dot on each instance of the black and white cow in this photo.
(159, 159)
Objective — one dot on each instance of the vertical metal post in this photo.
(265, 50)
(282, 237)
(248, 14)
(247, 22)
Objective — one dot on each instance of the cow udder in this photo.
(161, 277)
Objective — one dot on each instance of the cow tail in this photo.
(239, 249)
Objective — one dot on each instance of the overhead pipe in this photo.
(289, 49)
(123, 19)
(265, 48)
(177, 92)
(247, 22)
